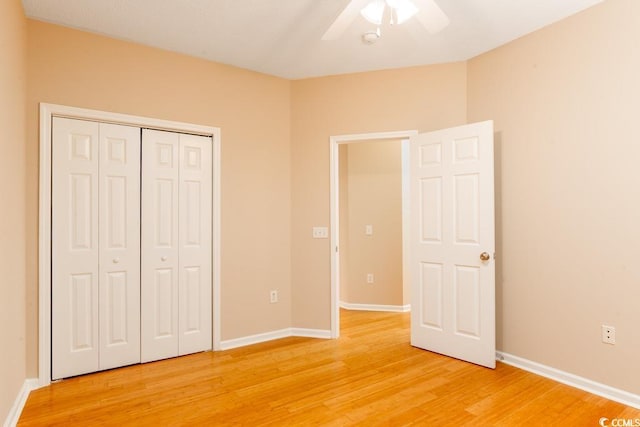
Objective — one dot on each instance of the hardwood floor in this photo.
(370, 376)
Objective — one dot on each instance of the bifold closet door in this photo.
(194, 243)
(95, 247)
(119, 235)
(176, 244)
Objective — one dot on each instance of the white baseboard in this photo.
(310, 333)
(376, 307)
(572, 380)
(254, 339)
(274, 335)
(18, 404)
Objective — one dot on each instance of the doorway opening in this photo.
(339, 220)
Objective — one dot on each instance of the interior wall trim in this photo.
(274, 335)
(16, 409)
(47, 112)
(572, 380)
(376, 307)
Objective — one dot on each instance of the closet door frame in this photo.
(47, 112)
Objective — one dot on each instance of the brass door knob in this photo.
(484, 256)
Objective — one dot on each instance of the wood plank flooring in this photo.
(370, 376)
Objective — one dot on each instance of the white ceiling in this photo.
(282, 37)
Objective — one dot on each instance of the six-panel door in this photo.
(452, 243)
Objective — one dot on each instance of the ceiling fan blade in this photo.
(431, 16)
(346, 17)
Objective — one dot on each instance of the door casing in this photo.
(47, 112)
(334, 167)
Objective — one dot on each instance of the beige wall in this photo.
(424, 98)
(373, 181)
(13, 39)
(76, 68)
(566, 101)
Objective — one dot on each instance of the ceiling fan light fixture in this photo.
(374, 11)
(404, 9)
(427, 13)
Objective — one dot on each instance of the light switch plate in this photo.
(320, 232)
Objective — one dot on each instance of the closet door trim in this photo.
(47, 112)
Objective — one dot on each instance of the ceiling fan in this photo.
(427, 12)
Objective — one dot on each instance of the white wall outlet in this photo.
(368, 230)
(608, 334)
(273, 296)
(320, 232)
(370, 278)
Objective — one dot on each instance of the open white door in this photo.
(453, 242)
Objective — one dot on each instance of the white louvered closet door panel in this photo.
(195, 244)
(119, 245)
(160, 275)
(74, 310)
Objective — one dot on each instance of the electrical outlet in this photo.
(608, 334)
(320, 233)
(273, 297)
(370, 278)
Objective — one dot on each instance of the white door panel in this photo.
(131, 245)
(160, 250)
(176, 244)
(195, 244)
(452, 223)
(119, 245)
(74, 314)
